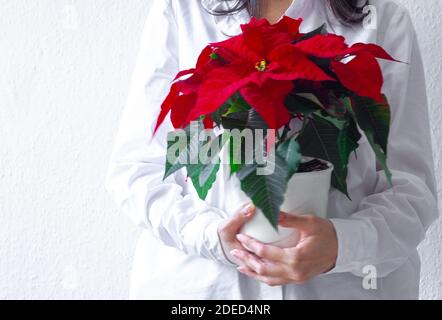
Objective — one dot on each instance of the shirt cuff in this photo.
(201, 234)
(354, 240)
(213, 242)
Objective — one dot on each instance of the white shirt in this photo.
(179, 255)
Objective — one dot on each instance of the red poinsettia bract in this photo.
(362, 74)
(262, 64)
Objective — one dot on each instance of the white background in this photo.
(65, 68)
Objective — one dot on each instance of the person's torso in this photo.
(163, 272)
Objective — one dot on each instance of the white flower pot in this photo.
(307, 193)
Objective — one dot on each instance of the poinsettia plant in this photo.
(271, 77)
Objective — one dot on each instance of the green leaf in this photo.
(244, 119)
(236, 156)
(374, 119)
(321, 30)
(380, 156)
(266, 191)
(348, 142)
(246, 147)
(301, 104)
(338, 106)
(348, 139)
(311, 97)
(178, 149)
(289, 150)
(184, 151)
(339, 123)
(237, 104)
(319, 139)
(218, 114)
(203, 175)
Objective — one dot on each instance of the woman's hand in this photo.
(315, 254)
(228, 231)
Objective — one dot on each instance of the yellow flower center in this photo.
(261, 66)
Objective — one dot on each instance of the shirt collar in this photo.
(230, 25)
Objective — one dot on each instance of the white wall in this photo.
(65, 67)
(426, 14)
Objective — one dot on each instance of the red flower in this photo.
(262, 63)
(362, 74)
(184, 93)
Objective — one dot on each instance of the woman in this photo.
(190, 249)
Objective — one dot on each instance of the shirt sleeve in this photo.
(390, 223)
(135, 175)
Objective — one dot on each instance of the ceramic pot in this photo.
(307, 193)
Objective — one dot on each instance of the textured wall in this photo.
(65, 68)
(67, 74)
(426, 14)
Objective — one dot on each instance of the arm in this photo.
(390, 223)
(135, 174)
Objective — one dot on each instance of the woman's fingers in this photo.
(303, 223)
(260, 267)
(315, 253)
(244, 214)
(231, 227)
(228, 229)
(271, 281)
(261, 250)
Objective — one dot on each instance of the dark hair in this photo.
(347, 11)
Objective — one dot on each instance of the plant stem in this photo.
(285, 133)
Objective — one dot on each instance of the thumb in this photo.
(300, 222)
(244, 214)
